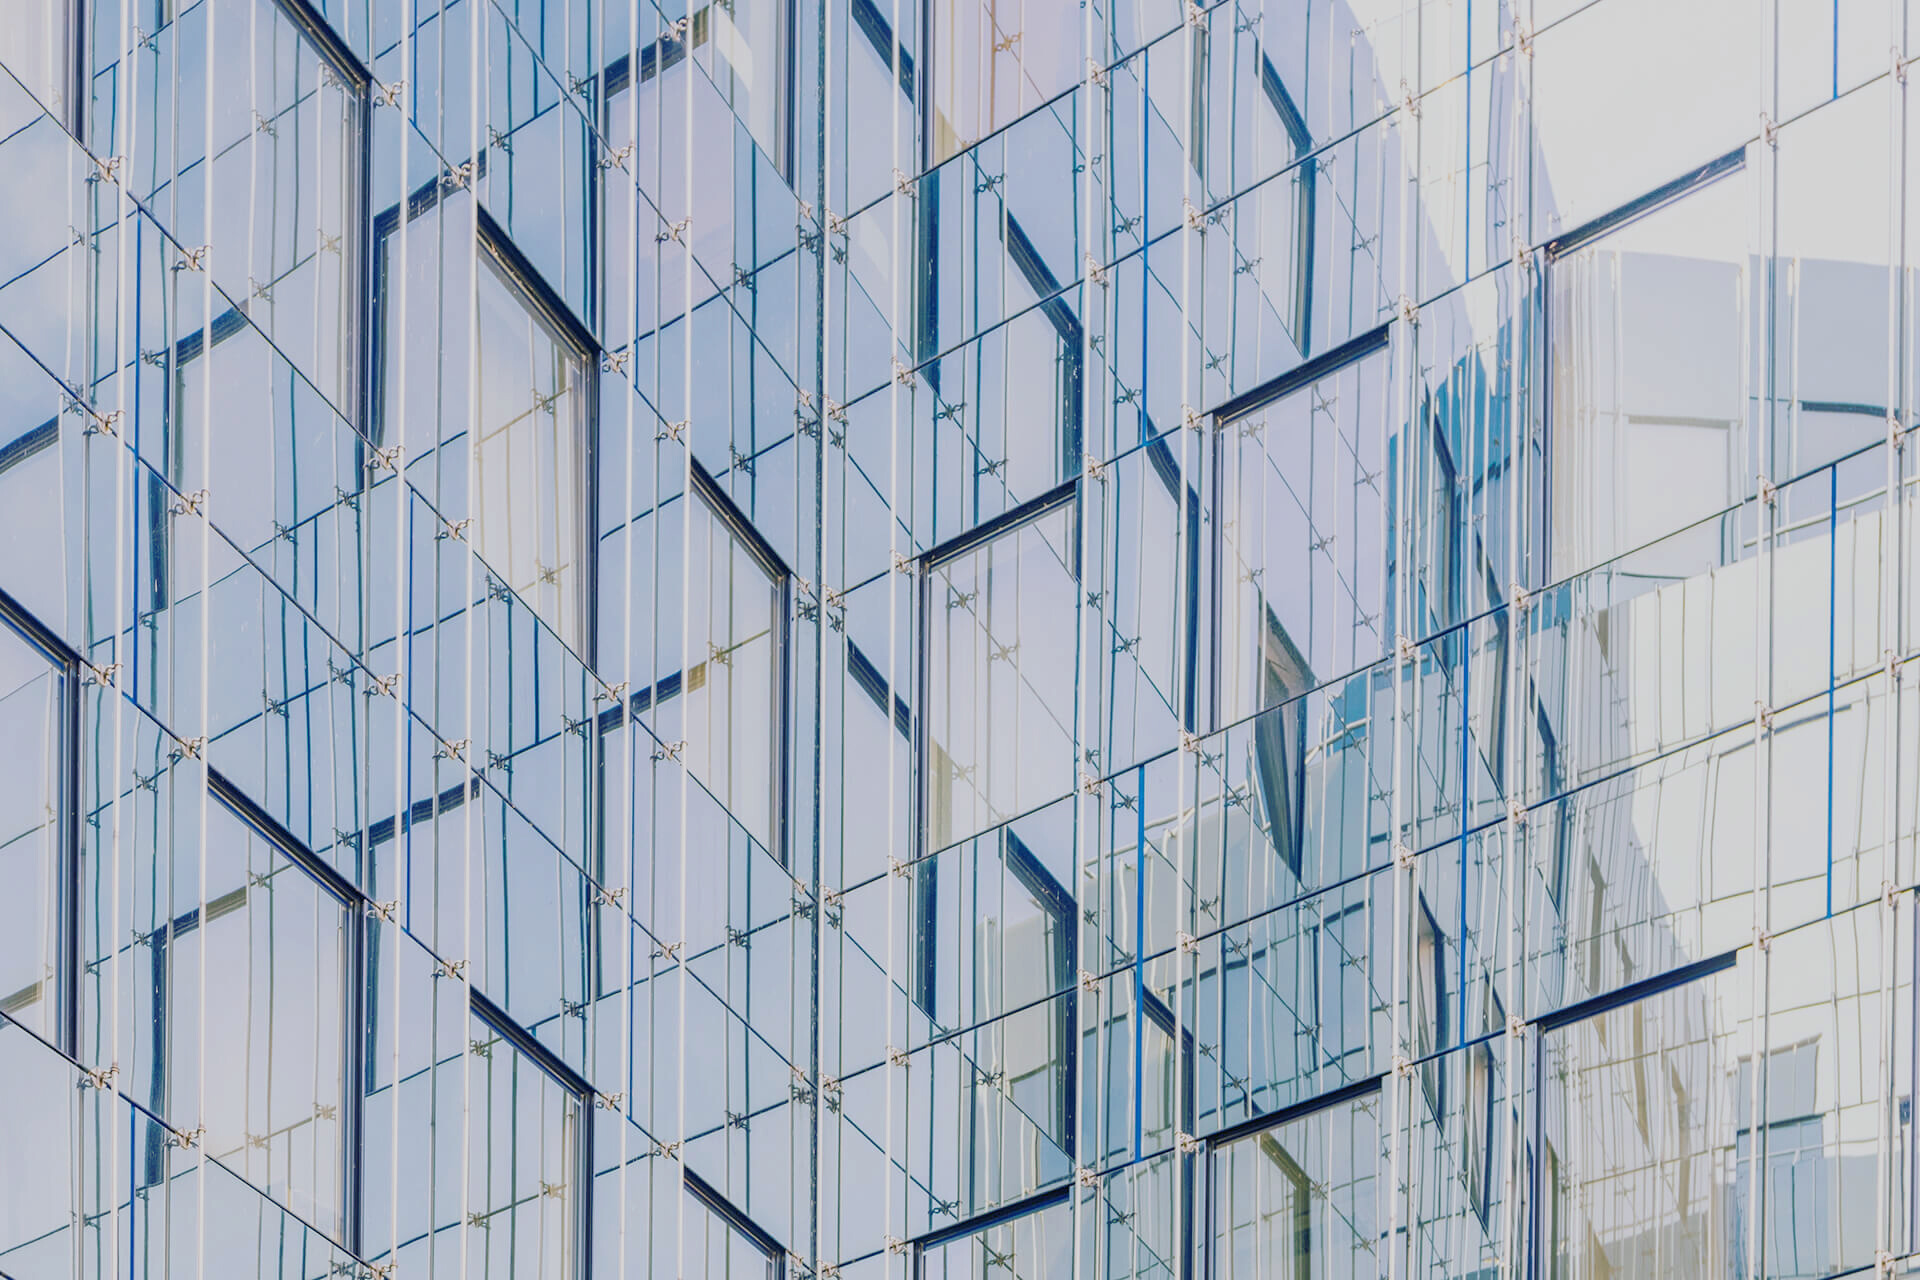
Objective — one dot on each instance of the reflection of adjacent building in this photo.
(1649, 668)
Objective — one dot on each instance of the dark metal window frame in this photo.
(547, 308)
(707, 491)
(64, 1023)
(581, 1096)
(707, 1197)
(1261, 1125)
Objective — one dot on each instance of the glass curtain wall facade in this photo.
(958, 638)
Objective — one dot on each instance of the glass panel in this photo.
(524, 1165)
(1031, 1247)
(732, 689)
(529, 456)
(1298, 1201)
(34, 862)
(250, 994)
(286, 217)
(1001, 662)
(1647, 411)
(1303, 538)
(995, 60)
(1639, 1118)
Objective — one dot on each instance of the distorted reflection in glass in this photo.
(1303, 538)
(249, 1000)
(1638, 1113)
(1647, 406)
(1298, 1201)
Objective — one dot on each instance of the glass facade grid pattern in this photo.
(935, 639)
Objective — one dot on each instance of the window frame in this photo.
(64, 1021)
(546, 307)
(725, 512)
(353, 906)
(1063, 497)
(708, 1198)
(1367, 1089)
(1543, 570)
(581, 1096)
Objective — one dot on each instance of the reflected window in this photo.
(1272, 222)
(1646, 332)
(1001, 653)
(531, 445)
(726, 699)
(1800, 1223)
(1279, 742)
(1295, 1201)
(1301, 543)
(1620, 1199)
(39, 722)
(1011, 410)
(287, 144)
(724, 1244)
(746, 47)
(992, 62)
(1429, 982)
(518, 470)
(1035, 1244)
(1476, 1148)
(249, 1004)
(996, 950)
(527, 1164)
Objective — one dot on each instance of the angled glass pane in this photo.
(524, 1166)
(1032, 1246)
(250, 991)
(1299, 1201)
(1001, 654)
(34, 863)
(529, 506)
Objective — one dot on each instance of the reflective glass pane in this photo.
(1298, 1201)
(524, 1166)
(251, 990)
(34, 862)
(1001, 660)
(530, 455)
